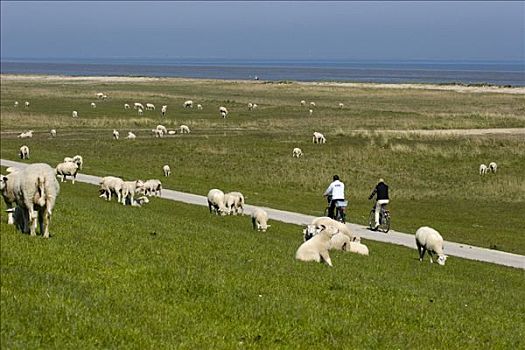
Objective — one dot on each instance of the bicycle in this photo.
(384, 219)
(340, 209)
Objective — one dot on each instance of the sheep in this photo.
(216, 202)
(26, 135)
(184, 129)
(104, 97)
(223, 111)
(130, 189)
(153, 187)
(234, 202)
(138, 105)
(150, 107)
(163, 110)
(326, 221)
(199, 107)
(75, 114)
(250, 106)
(163, 128)
(140, 111)
(126, 106)
(254, 106)
(8, 193)
(116, 134)
(67, 169)
(297, 152)
(260, 220)
(188, 104)
(312, 104)
(166, 170)
(318, 138)
(53, 133)
(78, 160)
(357, 247)
(310, 111)
(140, 201)
(131, 136)
(36, 187)
(24, 152)
(493, 167)
(341, 105)
(303, 102)
(157, 132)
(109, 185)
(26, 104)
(16, 104)
(341, 241)
(483, 169)
(93, 105)
(100, 95)
(316, 248)
(429, 239)
(172, 132)
(224, 114)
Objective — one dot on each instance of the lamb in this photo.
(93, 105)
(150, 107)
(26, 104)
(109, 185)
(78, 160)
(53, 133)
(16, 104)
(100, 95)
(199, 107)
(8, 193)
(36, 187)
(216, 202)
(67, 169)
(310, 111)
(184, 129)
(157, 132)
(316, 248)
(163, 110)
(116, 134)
(126, 106)
(166, 170)
(250, 106)
(223, 111)
(312, 104)
(254, 106)
(326, 221)
(163, 128)
(493, 167)
(341, 105)
(429, 239)
(188, 104)
(131, 136)
(234, 202)
(153, 187)
(172, 132)
(483, 169)
(260, 220)
(26, 135)
(130, 189)
(140, 111)
(24, 152)
(297, 152)
(138, 105)
(318, 138)
(303, 103)
(75, 114)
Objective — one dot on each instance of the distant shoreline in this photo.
(128, 79)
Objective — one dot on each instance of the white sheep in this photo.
(184, 129)
(140, 111)
(318, 138)
(116, 134)
(93, 105)
(36, 187)
(297, 152)
(166, 170)
(250, 106)
(199, 107)
(341, 105)
(429, 239)
(150, 107)
(312, 104)
(162, 128)
(127, 106)
(234, 202)
(303, 103)
(109, 185)
(341, 241)
(67, 169)
(310, 111)
(26, 104)
(140, 201)
(100, 95)
(216, 202)
(16, 104)
(157, 132)
(24, 152)
(131, 136)
(483, 169)
(130, 189)
(493, 167)
(8, 193)
(153, 187)
(316, 248)
(163, 110)
(223, 111)
(260, 220)
(26, 135)
(172, 132)
(138, 105)
(254, 106)
(75, 114)
(78, 160)
(342, 228)
(53, 133)
(188, 104)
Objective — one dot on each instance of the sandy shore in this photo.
(123, 79)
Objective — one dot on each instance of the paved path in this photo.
(453, 249)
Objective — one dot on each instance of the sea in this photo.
(501, 73)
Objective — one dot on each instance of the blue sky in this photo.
(265, 30)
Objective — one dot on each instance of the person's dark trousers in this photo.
(331, 209)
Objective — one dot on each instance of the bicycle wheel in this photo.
(371, 219)
(385, 223)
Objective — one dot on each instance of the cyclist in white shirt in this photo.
(336, 191)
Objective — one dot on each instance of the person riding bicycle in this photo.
(336, 190)
(381, 191)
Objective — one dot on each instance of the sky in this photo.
(365, 30)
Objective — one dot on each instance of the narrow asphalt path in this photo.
(451, 248)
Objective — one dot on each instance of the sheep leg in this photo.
(326, 257)
(209, 206)
(430, 254)
(33, 221)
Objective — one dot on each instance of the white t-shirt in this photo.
(336, 189)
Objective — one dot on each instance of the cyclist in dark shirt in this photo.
(381, 193)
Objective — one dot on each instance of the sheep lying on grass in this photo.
(344, 229)
(216, 202)
(234, 202)
(428, 239)
(24, 152)
(316, 248)
(67, 169)
(344, 240)
(260, 220)
(26, 134)
(131, 136)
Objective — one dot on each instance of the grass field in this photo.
(105, 280)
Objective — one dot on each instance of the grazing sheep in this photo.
(104, 97)
(483, 169)
(250, 106)
(184, 129)
(297, 152)
(234, 202)
(316, 248)
(53, 133)
(357, 247)
(131, 136)
(130, 189)
(310, 111)
(157, 132)
(8, 193)
(303, 103)
(223, 114)
(67, 169)
(260, 220)
(216, 202)
(26, 135)
(93, 105)
(163, 128)
(341, 105)
(16, 104)
(116, 134)
(140, 111)
(127, 106)
(150, 107)
(223, 111)
(138, 105)
(429, 239)
(166, 170)
(75, 114)
(36, 187)
(199, 107)
(24, 152)
(153, 187)
(318, 138)
(109, 185)
(26, 104)
(254, 106)
(188, 104)
(78, 160)
(163, 110)
(493, 167)
(312, 104)
(100, 95)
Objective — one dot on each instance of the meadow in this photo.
(170, 275)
